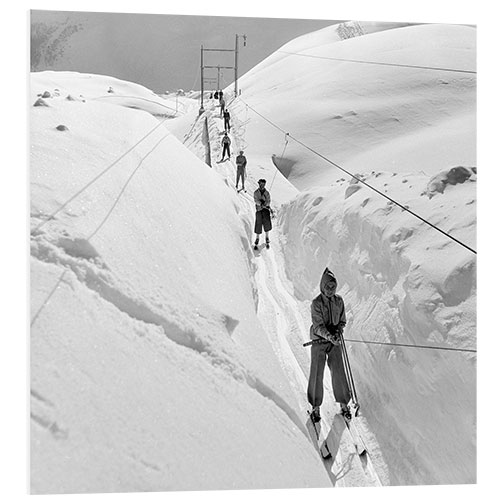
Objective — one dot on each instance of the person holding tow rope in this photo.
(328, 322)
(262, 200)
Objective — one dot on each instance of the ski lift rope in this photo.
(380, 63)
(281, 159)
(404, 208)
(326, 241)
(396, 344)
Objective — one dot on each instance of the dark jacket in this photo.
(241, 161)
(326, 314)
(262, 199)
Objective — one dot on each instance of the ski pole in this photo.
(349, 373)
(347, 367)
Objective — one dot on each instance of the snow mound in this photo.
(145, 340)
(402, 283)
(97, 87)
(406, 112)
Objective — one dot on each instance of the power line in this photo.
(380, 63)
(404, 208)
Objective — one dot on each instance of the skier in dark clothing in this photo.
(328, 322)
(216, 95)
(227, 117)
(262, 200)
(241, 163)
(226, 141)
(222, 103)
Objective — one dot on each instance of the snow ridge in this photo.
(80, 257)
(400, 283)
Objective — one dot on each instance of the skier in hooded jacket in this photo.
(328, 322)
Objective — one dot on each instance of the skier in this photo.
(222, 103)
(241, 163)
(263, 212)
(216, 95)
(328, 322)
(226, 141)
(227, 117)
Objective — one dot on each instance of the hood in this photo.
(327, 276)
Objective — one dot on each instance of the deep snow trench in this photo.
(286, 321)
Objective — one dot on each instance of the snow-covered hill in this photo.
(145, 341)
(368, 102)
(167, 355)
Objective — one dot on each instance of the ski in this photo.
(361, 449)
(318, 436)
(355, 436)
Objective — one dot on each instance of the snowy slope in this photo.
(145, 341)
(403, 283)
(364, 115)
(159, 336)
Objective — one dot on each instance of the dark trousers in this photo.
(322, 353)
(240, 174)
(226, 124)
(225, 149)
(262, 219)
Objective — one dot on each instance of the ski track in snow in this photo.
(92, 273)
(279, 314)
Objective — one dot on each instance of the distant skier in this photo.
(263, 212)
(226, 141)
(227, 117)
(216, 95)
(328, 322)
(222, 103)
(241, 163)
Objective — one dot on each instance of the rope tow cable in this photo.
(281, 159)
(380, 63)
(365, 183)
(440, 348)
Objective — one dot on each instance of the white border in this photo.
(14, 199)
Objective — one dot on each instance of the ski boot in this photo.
(315, 415)
(345, 412)
(256, 244)
(267, 243)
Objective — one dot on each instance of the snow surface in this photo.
(167, 355)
